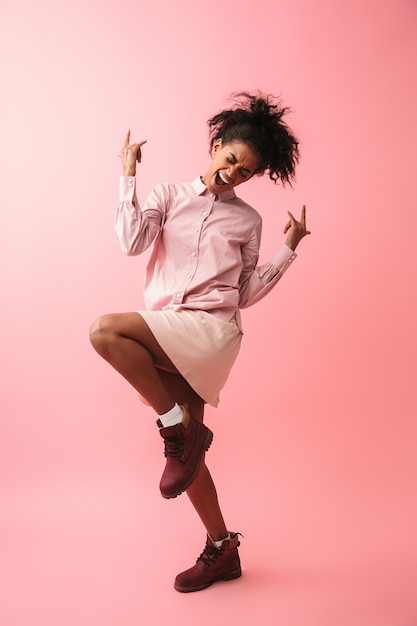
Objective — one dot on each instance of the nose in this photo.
(232, 172)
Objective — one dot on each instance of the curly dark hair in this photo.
(256, 120)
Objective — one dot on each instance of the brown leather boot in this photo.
(212, 565)
(185, 444)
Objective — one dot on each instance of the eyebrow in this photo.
(234, 159)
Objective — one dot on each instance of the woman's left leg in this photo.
(220, 558)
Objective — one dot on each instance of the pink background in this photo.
(315, 437)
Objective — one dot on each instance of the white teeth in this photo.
(223, 177)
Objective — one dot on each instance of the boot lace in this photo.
(174, 446)
(210, 553)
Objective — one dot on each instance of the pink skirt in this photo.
(202, 347)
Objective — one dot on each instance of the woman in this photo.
(202, 270)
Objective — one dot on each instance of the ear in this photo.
(216, 146)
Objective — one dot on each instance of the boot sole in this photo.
(226, 577)
(207, 443)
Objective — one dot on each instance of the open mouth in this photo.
(221, 180)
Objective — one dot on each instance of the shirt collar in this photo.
(200, 188)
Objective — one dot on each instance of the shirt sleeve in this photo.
(136, 228)
(257, 281)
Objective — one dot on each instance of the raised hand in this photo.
(130, 154)
(296, 230)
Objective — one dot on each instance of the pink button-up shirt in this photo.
(205, 248)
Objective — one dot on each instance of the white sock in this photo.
(218, 544)
(172, 417)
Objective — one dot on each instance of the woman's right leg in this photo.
(126, 342)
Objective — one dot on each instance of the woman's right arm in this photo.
(135, 229)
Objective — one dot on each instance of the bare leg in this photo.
(202, 491)
(203, 496)
(126, 342)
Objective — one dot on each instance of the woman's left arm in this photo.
(257, 281)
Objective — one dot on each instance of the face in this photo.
(232, 164)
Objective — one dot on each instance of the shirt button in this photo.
(194, 253)
(188, 275)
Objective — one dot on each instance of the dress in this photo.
(204, 257)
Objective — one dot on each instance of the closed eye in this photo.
(244, 172)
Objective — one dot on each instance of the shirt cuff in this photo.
(127, 188)
(283, 259)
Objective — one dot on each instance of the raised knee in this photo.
(101, 333)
